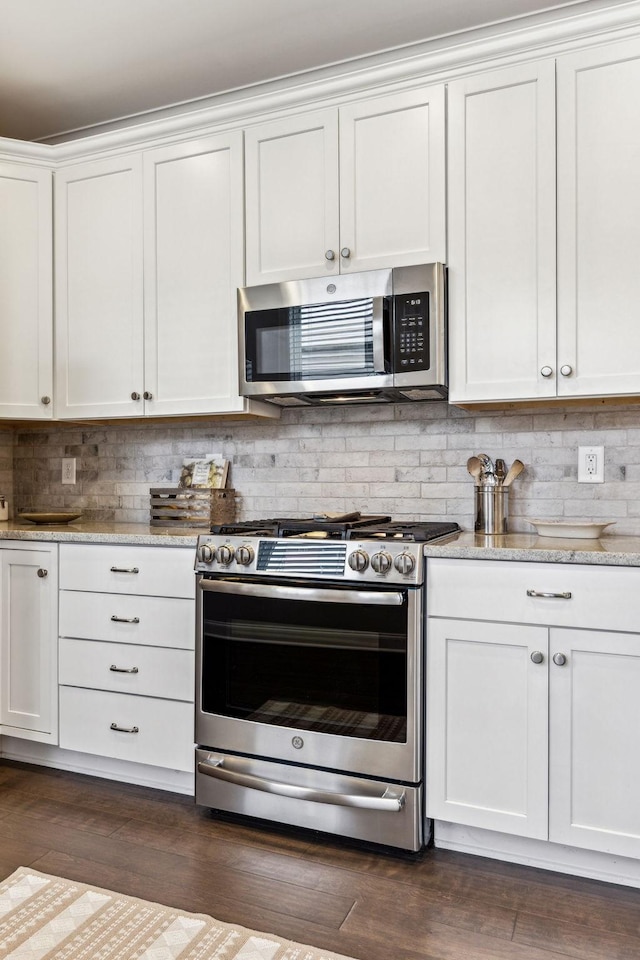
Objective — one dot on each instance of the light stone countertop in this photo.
(607, 551)
(79, 531)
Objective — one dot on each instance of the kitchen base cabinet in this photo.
(125, 727)
(487, 725)
(28, 644)
(127, 637)
(594, 758)
(498, 679)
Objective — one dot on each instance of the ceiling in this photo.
(68, 64)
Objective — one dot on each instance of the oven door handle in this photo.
(391, 800)
(314, 594)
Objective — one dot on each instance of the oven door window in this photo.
(330, 667)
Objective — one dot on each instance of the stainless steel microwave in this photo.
(363, 337)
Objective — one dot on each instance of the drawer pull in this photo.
(115, 669)
(550, 596)
(124, 570)
(125, 619)
(114, 726)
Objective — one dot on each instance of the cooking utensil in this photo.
(474, 467)
(514, 471)
(501, 470)
(487, 462)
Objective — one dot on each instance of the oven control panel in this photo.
(351, 560)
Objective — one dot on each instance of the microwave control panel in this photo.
(411, 332)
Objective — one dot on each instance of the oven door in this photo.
(328, 677)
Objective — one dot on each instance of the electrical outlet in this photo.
(69, 470)
(590, 464)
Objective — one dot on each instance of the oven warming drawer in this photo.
(368, 810)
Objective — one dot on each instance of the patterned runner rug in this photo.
(47, 918)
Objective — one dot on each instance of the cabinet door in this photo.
(392, 180)
(598, 222)
(595, 741)
(487, 726)
(99, 332)
(502, 306)
(292, 198)
(26, 291)
(194, 262)
(28, 643)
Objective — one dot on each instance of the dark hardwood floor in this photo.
(372, 906)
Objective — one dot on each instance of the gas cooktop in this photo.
(350, 547)
(346, 527)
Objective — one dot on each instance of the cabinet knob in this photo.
(45, 400)
(547, 372)
(345, 252)
(537, 656)
(566, 370)
(135, 396)
(329, 255)
(559, 659)
(42, 573)
(147, 395)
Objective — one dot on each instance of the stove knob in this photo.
(359, 561)
(381, 562)
(225, 554)
(245, 555)
(404, 563)
(206, 553)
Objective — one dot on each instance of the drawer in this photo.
(107, 568)
(156, 671)
(602, 598)
(164, 736)
(120, 618)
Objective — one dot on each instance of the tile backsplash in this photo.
(406, 460)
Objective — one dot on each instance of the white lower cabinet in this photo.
(28, 641)
(533, 729)
(127, 637)
(126, 727)
(487, 726)
(594, 750)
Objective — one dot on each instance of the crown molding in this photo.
(435, 61)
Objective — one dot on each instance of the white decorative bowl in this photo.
(570, 529)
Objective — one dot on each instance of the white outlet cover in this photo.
(584, 474)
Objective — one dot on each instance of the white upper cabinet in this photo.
(511, 338)
(291, 185)
(26, 290)
(99, 293)
(599, 221)
(193, 264)
(354, 188)
(149, 257)
(502, 263)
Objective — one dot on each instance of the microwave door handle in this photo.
(313, 594)
(380, 307)
(391, 800)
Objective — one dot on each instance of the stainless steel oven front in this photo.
(309, 704)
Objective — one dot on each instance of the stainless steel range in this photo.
(310, 683)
